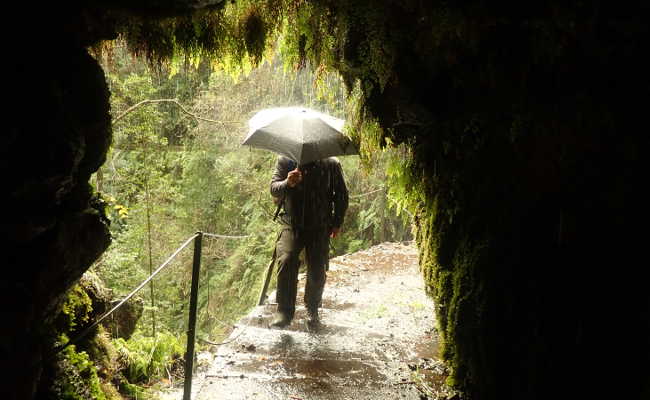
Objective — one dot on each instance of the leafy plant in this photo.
(145, 359)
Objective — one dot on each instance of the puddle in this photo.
(305, 386)
(351, 371)
(429, 347)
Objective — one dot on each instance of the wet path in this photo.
(377, 327)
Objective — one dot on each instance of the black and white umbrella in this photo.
(302, 134)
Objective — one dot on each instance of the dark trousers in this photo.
(288, 248)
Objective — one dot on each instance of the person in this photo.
(314, 200)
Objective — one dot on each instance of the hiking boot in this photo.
(280, 320)
(313, 321)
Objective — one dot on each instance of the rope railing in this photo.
(85, 332)
(214, 235)
(196, 265)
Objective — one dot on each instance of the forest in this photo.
(176, 166)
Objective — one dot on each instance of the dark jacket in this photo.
(322, 192)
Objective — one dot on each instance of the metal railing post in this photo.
(191, 326)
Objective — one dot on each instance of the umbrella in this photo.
(302, 134)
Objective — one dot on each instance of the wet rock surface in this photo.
(377, 333)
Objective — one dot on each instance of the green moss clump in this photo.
(98, 367)
(83, 370)
(255, 33)
(75, 310)
(76, 377)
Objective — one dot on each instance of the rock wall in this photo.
(56, 133)
(526, 140)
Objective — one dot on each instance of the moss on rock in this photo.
(85, 369)
(76, 377)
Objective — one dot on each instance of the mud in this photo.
(377, 341)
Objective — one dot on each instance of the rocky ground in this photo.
(377, 341)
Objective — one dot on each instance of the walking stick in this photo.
(267, 279)
(269, 269)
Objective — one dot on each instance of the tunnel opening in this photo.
(524, 137)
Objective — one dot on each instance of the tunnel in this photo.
(524, 124)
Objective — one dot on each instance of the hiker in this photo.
(314, 201)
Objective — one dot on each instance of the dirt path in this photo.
(378, 328)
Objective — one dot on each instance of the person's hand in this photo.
(294, 177)
(334, 232)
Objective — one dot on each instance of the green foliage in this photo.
(372, 215)
(75, 310)
(235, 34)
(240, 34)
(144, 359)
(169, 174)
(94, 367)
(73, 372)
(77, 377)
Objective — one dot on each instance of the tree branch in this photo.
(367, 193)
(173, 101)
